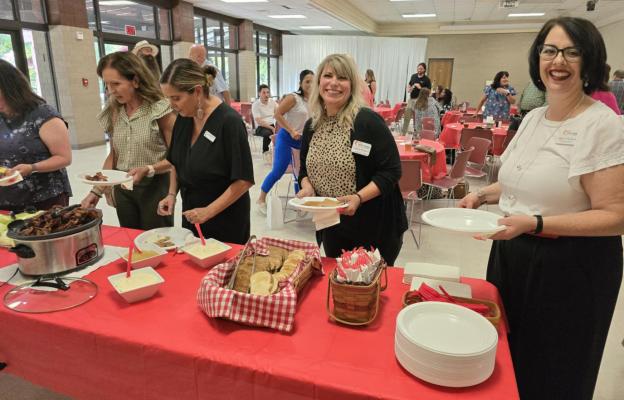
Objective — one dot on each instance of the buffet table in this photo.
(166, 348)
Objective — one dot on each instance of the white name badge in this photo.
(361, 148)
(209, 136)
(566, 138)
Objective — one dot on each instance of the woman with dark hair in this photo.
(498, 97)
(291, 115)
(446, 100)
(558, 263)
(210, 154)
(138, 120)
(604, 94)
(34, 141)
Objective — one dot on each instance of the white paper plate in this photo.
(178, 236)
(114, 177)
(463, 220)
(447, 329)
(300, 204)
(11, 179)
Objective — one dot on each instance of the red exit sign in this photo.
(130, 30)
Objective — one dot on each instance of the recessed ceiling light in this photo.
(418, 15)
(244, 1)
(315, 27)
(287, 16)
(538, 14)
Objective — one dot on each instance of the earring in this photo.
(200, 111)
(585, 83)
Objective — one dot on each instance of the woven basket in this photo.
(493, 316)
(355, 304)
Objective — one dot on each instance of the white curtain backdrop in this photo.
(393, 60)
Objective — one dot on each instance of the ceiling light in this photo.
(525, 26)
(538, 14)
(287, 16)
(418, 15)
(244, 1)
(315, 27)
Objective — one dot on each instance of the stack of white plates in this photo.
(445, 344)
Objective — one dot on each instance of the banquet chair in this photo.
(428, 124)
(293, 172)
(476, 162)
(410, 182)
(454, 177)
(468, 134)
(510, 135)
(427, 134)
(250, 123)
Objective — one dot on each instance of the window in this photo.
(267, 61)
(6, 9)
(221, 41)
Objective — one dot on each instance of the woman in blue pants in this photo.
(291, 116)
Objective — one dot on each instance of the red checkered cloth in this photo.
(275, 311)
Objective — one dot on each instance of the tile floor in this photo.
(437, 246)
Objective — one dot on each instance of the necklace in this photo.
(522, 169)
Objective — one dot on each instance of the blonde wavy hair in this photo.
(185, 74)
(344, 66)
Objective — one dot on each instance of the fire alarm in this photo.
(85, 82)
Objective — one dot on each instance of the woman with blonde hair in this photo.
(426, 107)
(210, 154)
(348, 152)
(371, 82)
(138, 120)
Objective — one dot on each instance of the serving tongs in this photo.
(243, 253)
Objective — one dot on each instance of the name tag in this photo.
(361, 148)
(209, 136)
(566, 138)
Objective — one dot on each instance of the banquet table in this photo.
(384, 112)
(166, 348)
(429, 172)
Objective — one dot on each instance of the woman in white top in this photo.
(291, 116)
(558, 263)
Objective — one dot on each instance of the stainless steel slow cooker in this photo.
(60, 252)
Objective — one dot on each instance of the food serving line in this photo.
(166, 347)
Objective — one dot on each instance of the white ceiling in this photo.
(386, 13)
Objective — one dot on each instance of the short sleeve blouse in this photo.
(496, 104)
(20, 143)
(542, 166)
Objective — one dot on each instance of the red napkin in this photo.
(427, 293)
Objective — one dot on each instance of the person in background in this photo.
(34, 141)
(148, 52)
(498, 97)
(438, 92)
(604, 94)
(558, 263)
(371, 83)
(366, 179)
(138, 120)
(426, 106)
(219, 88)
(417, 81)
(617, 88)
(531, 97)
(445, 100)
(210, 154)
(263, 111)
(291, 115)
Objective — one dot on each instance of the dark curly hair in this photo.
(497, 78)
(587, 39)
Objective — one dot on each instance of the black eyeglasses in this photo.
(548, 52)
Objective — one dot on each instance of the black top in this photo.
(424, 82)
(20, 143)
(207, 168)
(384, 216)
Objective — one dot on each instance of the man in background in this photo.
(219, 87)
(263, 111)
(418, 81)
(617, 87)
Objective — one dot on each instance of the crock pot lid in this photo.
(34, 298)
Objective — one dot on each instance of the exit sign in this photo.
(130, 30)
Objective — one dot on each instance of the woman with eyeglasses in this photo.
(498, 97)
(558, 263)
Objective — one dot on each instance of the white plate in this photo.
(178, 236)
(447, 329)
(463, 220)
(114, 177)
(299, 203)
(11, 179)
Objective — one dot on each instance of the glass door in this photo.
(12, 51)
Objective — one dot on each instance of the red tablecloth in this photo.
(450, 117)
(166, 348)
(237, 105)
(429, 172)
(385, 112)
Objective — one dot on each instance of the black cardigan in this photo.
(384, 216)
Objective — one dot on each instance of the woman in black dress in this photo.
(211, 156)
